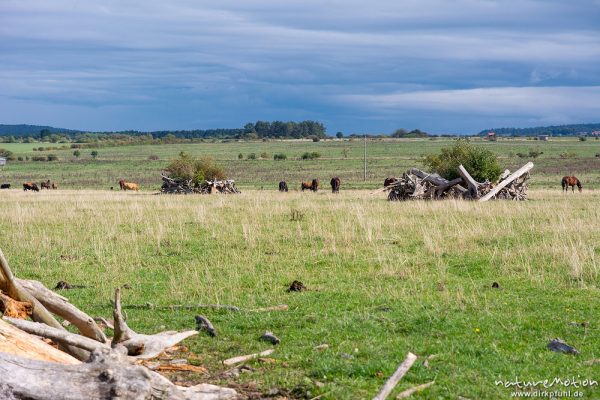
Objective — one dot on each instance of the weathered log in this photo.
(140, 345)
(393, 380)
(56, 335)
(518, 173)
(39, 313)
(433, 178)
(241, 359)
(409, 392)
(60, 306)
(20, 343)
(106, 375)
(472, 184)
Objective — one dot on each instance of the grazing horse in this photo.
(128, 185)
(570, 181)
(31, 186)
(45, 185)
(389, 181)
(335, 185)
(314, 185)
(283, 186)
(5, 186)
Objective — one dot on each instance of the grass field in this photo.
(338, 158)
(384, 278)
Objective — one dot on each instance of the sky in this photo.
(442, 66)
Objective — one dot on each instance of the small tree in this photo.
(481, 163)
(240, 156)
(94, 154)
(198, 170)
(251, 156)
(76, 153)
(339, 135)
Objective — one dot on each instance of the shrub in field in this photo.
(315, 139)
(240, 156)
(6, 153)
(77, 153)
(94, 154)
(153, 157)
(52, 157)
(198, 170)
(39, 158)
(279, 156)
(310, 156)
(535, 153)
(568, 154)
(264, 155)
(481, 163)
(582, 138)
(251, 156)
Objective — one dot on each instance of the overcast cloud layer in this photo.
(444, 66)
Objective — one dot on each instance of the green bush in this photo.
(310, 156)
(198, 170)
(279, 156)
(264, 155)
(240, 156)
(52, 157)
(251, 156)
(582, 138)
(6, 153)
(481, 163)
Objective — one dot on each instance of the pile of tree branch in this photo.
(33, 369)
(416, 184)
(186, 186)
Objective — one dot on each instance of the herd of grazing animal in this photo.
(313, 185)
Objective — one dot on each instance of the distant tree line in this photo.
(557, 130)
(257, 130)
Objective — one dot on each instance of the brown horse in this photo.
(570, 181)
(46, 185)
(314, 185)
(335, 185)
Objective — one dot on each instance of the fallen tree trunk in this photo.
(39, 313)
(107, 375)
(517, 174)
(60, 306)
(19, 343)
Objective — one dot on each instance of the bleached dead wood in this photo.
(472, 184)
(241, 359)
(20, 343)
(39, 313)
(60, 306)
(106, 375)
(391, 383)
(139, 345)
(409, 392)
(56, 335)
(518, 173)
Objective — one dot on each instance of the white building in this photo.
(2, 161)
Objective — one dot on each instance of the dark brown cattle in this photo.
(45, 185)
(389, 181)
(570, 181)
(313, 185)
(335, 184)
(5, 186)
(283, 187)
(31, 186)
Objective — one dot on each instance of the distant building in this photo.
(2, 161)
(595, 133)
(491, 136)
(543, 138)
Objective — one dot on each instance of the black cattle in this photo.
(335, 185)
(283, 186)
(5, 186)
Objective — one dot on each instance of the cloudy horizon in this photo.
(443, 66)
